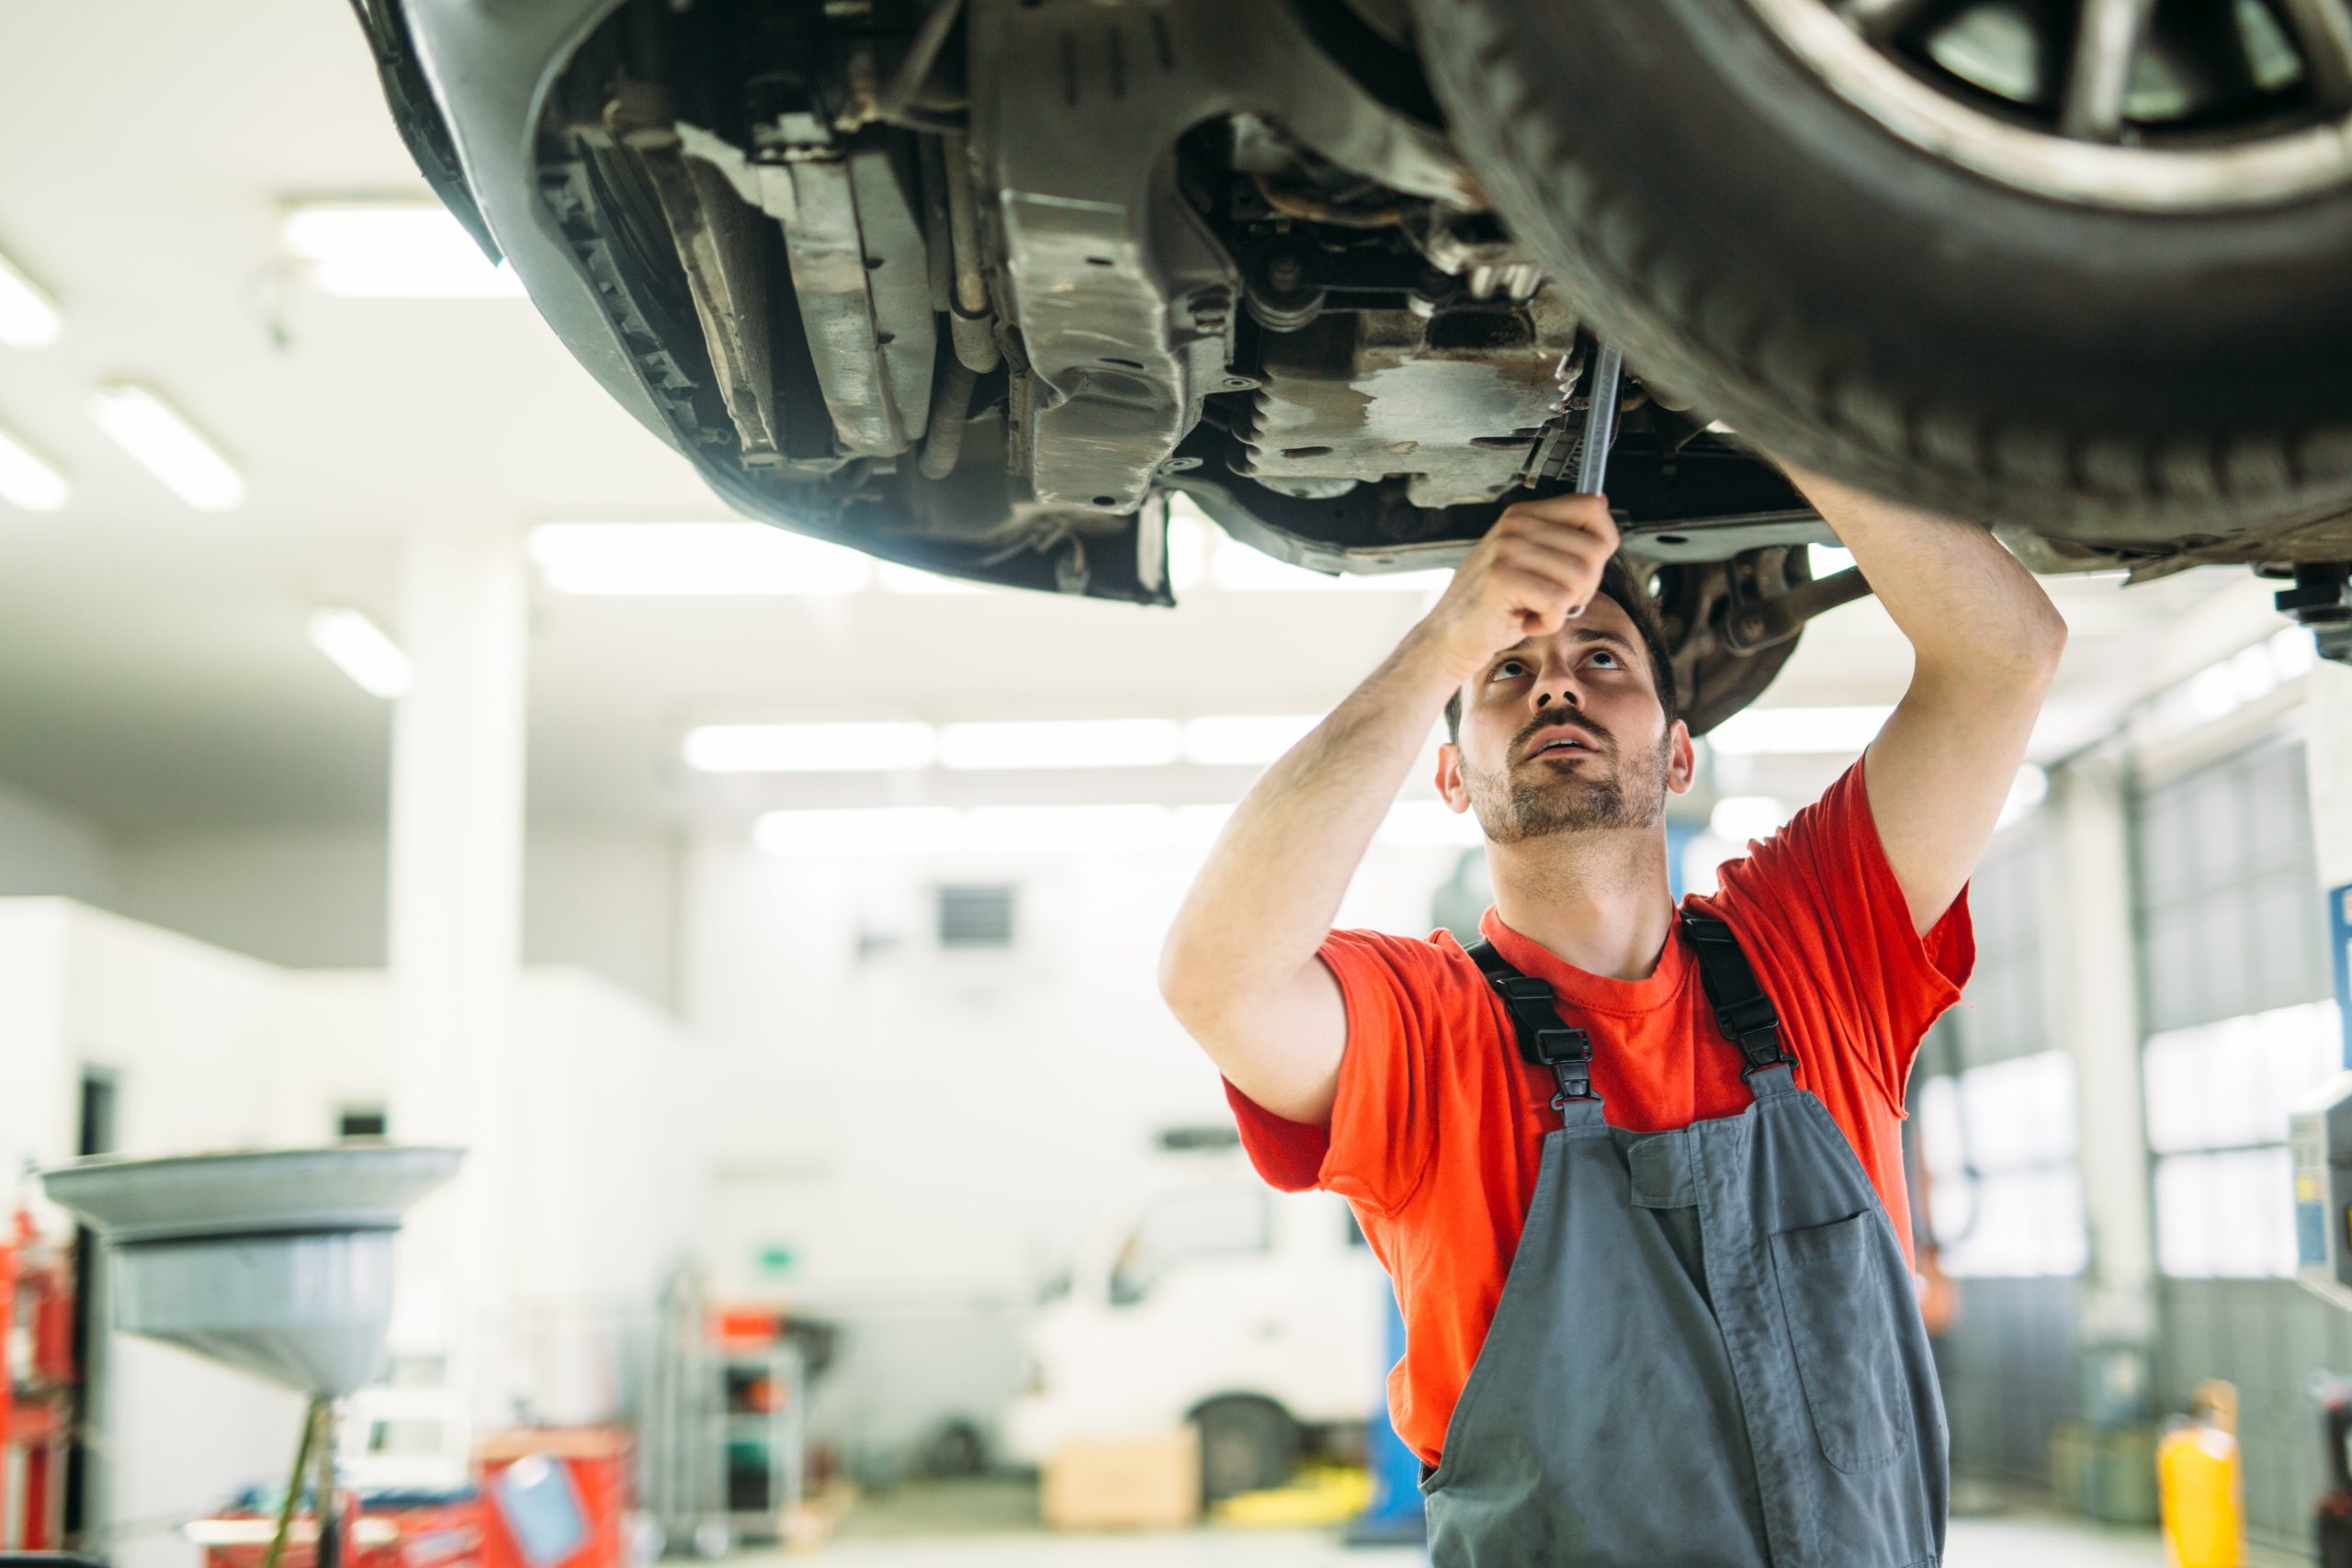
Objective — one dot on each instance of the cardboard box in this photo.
(1123, 1482)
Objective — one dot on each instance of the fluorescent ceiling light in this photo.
(1245, 740)
(29, 480)
(1061, 830)
(862, 830)
(171, 448)
(810, 747)
(1062, 743)
(361, 651)
(1428, 825)
(391, 250)
(1797, 732)
(1737, 819)
(28, 317)
(681, 560)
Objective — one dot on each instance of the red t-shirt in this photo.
(1437, 1134)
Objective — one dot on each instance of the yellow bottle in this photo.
(2197, 1483)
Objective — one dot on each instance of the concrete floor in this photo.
(989, 1526)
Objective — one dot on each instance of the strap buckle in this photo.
(1543, 1039)
(1768, 1053)
(1748, 1015)
(1568, 1053)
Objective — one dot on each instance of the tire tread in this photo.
(1726, 332)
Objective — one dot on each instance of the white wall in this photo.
(46, 849)
(907, 1120)
(603, 901)
(313, 897)
(187, 1034)
(309, 897)
(207, 1049)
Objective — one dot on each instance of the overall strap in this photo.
(1743, 1012)
(1543, 1039)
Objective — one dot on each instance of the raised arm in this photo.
(1240, 969)
(1986, 640)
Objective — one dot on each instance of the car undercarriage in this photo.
(978, 287)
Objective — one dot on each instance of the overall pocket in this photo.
(1839, 1299)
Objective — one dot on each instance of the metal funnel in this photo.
(277, 1263)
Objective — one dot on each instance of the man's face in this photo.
(1565, 734)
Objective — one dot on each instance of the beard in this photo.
(1541, 802)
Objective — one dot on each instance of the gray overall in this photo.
(1708, 1351)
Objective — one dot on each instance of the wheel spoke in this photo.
(1888, 22)
(2108, 35)
(2322, 31)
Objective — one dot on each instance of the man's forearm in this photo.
(1266, 897)
(1954, 592)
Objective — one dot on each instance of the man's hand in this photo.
(1240, 970)
(1537, 568)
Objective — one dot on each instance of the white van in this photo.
(1211, 1298)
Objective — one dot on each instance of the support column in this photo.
(2097, 1018)
(455, 945)
(2328, 753)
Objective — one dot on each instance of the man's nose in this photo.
(1561, 693)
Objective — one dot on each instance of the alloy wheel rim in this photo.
(2163, 106)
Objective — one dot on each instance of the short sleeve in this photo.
(1381, 1134)
(1821, 890)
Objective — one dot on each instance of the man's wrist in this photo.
(1423, 660)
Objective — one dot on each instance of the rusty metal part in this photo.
(897, 101)
(1453, 403)
(971, 321)
(1753, 623)
(951, 403)
(1122, 296)
(1315, 209)
(711, 228)
(859, 269)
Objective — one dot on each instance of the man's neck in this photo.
(1598, 900)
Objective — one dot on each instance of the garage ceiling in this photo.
(157, 672)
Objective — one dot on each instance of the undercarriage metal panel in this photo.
(722, 259)
(860, 271)
(1368, 394)
(1124, 298)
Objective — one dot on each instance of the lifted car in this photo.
(976, 284)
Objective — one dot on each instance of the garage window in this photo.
(1999, 1145)
(2235, 997)
(1993, 1102)
(2218, 1096)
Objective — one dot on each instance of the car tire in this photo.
(1246, 1445)
(1844, 298)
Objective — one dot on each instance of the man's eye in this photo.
(1508, 669)
(1604, 653)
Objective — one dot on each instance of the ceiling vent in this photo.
(976, 915)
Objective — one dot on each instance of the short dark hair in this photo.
(1618, 586)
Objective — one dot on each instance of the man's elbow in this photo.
(2045, 641)
(1187, 983)
(2017, 652)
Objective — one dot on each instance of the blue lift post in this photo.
(1395, 1515)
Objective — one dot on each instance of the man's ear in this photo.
(1449, 777)
(1682, 759)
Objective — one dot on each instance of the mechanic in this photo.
(1636, 1171)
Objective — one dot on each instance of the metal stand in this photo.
(330, 1505)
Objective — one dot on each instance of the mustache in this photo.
(1583, 729)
